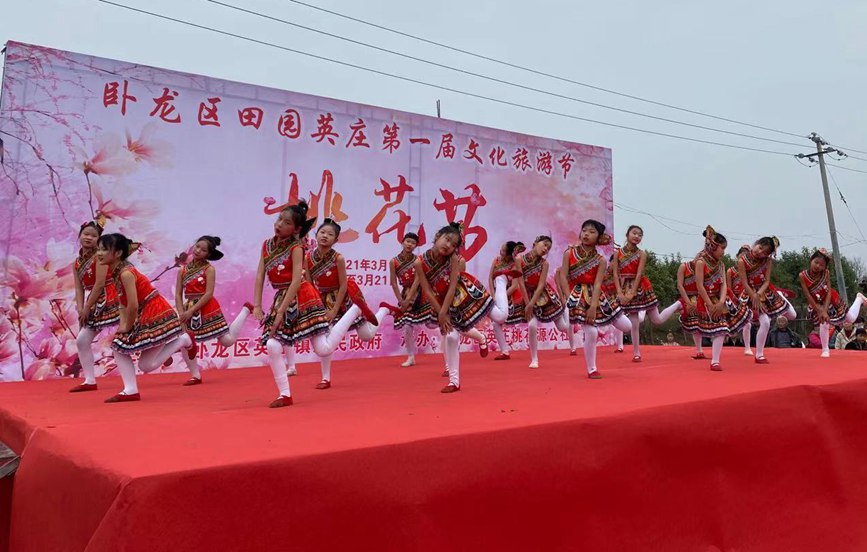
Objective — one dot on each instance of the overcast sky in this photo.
(791, 65)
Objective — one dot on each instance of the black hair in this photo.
(716, 238)
(91, 224)
(768, 242)
(742, 250)
(332, 223)
(213, 242)
(411, 236)
(453, 228)
(598, 226)
(117, 242)
(633, 226)
(860, 331)
(298, 212)
(511, 246)
(543, 237)
(816, 254)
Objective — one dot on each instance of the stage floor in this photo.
(661, 455)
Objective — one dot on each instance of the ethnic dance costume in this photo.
(583, 267)
(471, 302)
(104, 312)
(420, 311)
(627, 264)
(773, 303)
(738, 313)
(156, 333)
(208, 322)
(819, 289)
(305, 317)
(548, 307)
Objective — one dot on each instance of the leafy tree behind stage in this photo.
(662, 272)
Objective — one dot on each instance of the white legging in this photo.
(453, 357)
(851, 316)
(409, 334)
(500, 310)
(367, 331)
(84, 344)
(226, 340)
(323, 345)
(148, 361)
(591, 334)
(563, 324)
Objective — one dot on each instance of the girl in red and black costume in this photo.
(199, 311)
(736, 289)
(716, 313)
(458, 298)
(825, 305)
(584, 270)
(542, 304)
(148, 323)
(688, 290)
(412, 310)
(506, 263)
(95, 298)
(326, 270)
(610, 290)
(634, 290)
(754, 277)
(297, 312)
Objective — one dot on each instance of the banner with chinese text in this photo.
(169, 156)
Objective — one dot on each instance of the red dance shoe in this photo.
(280, 402)
(698, 356)
(193, 350)
(573, 352)
(450, 388)
(168, 362)
(503, 356)
(483, 349)
(594, 375)
(761, 360)
(445, 373)
(324, 384)
(193, 381)
(391, 308)
(636, 358)
(249, 306)
(120, 397)
(618, 350)
(716, 367)
(81, 387)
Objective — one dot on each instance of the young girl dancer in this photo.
(754, 276)
(736, 288)
(584, 269)
(412, 309)
(148, 323)
(688, 291)
(326, 270)
(100, 309)
(634, 290)
(563, 323)
(542, 303)
(717, 314)
(458, 299)
(506, 263)
(198, 309)
(297, 312)
(825, 305)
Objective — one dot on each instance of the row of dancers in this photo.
(314, 300)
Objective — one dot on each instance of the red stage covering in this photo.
(663, 455)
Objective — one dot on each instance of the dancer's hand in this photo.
(82, 318)
(590, 316)
(756, 302)
(690, 308)
(623, 297)
(445, 322)
(405, 305)
(331, 315)
(124, 328)
(185, 316)
(258, 314)
(718, 310)
(279, 317)
(528, 312)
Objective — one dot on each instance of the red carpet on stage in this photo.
(662, 455)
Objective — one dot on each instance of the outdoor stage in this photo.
(663, 455)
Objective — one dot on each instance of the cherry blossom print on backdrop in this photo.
(166, 157)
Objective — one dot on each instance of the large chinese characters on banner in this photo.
(167, 157)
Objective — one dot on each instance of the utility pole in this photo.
(823, 148)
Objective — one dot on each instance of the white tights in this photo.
(148, 361)
(84, 344)
(226, 340)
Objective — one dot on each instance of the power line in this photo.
(841, 167)
(542, 73)
(846, 203)
(437, 86)
(495, 79)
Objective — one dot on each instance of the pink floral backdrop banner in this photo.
(168, 156)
